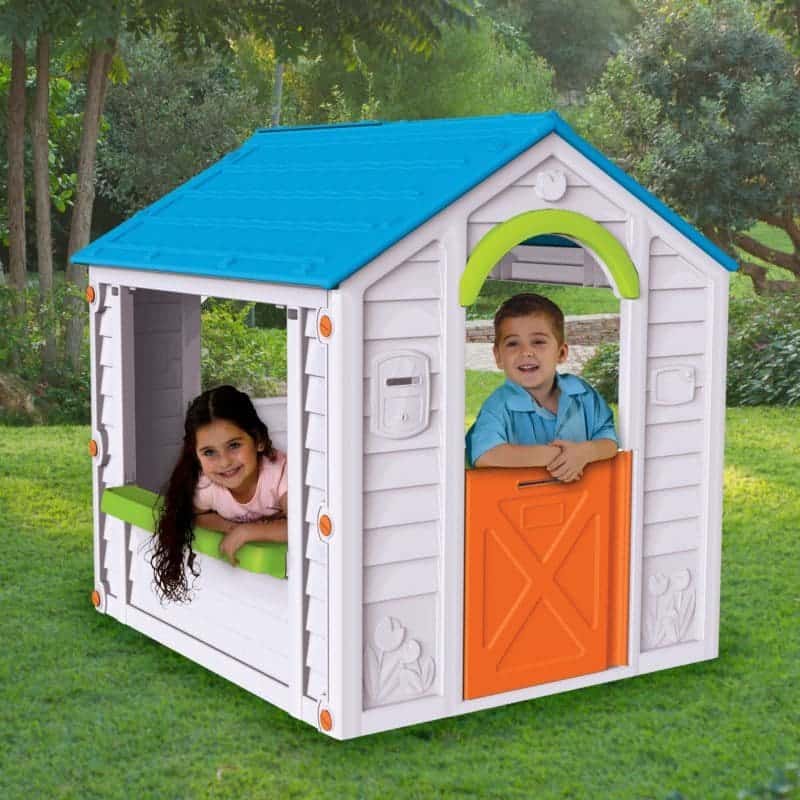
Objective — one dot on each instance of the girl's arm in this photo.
(213, 521)
(268, 530)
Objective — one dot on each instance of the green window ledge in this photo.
(139, 507)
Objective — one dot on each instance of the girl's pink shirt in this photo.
(210, 496)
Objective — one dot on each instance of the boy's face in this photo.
(528, 351)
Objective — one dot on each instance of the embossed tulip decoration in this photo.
(395, 665)
(671, 609)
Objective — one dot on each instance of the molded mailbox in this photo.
(546, 575)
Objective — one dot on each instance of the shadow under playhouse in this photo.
(413, 589)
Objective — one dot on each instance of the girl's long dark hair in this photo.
(175, 526)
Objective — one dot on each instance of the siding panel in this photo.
(402, 579)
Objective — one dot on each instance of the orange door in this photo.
(546, 575)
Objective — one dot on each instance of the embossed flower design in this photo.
(389, 634)
(395, 666)
(658, 584)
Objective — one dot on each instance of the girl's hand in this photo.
(232, 541)
(269, 529)
(568, 465)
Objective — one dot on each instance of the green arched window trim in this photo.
(575, 226)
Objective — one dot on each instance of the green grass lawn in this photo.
(92, 709)
(572, 300)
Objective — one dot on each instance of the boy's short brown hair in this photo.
(520, 305)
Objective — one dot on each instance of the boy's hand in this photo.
(568, 465)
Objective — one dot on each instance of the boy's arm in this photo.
(519, 455)
(574, 456)
(489, 436)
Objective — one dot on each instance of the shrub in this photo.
(764, 351)
(252, 359)
(60, 396)
(602, 371)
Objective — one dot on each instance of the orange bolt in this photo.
(90, 294)
(93, 448)
(325, 326)
(325, 525)
(325, 720)
(95, 598)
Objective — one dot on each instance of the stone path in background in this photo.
(479, 356)
(585, 333)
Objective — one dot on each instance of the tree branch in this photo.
(792, 227)
(757, 274)
(788, 261)
(764, 285)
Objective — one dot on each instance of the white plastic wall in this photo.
(683, 465)
(111, 346)
(316, 485)
(145, 368)
(166, 328)
(402, 515)
(547, 264)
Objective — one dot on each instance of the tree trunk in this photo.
(277, 95)
(16, 176)
(41, 187)
(81, 225)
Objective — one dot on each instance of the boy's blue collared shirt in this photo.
(510, 415)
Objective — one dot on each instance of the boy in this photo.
(538, 418)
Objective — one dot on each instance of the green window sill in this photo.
(137, 506)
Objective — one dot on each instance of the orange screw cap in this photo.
(90, 294)
(325, 720)
(325, 326)
(95, 598)
(325, 525)
(93, 448)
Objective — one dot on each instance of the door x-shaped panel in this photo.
(542, 576)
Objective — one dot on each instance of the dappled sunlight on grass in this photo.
(742, 485)
(31, 504)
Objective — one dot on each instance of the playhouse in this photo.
(400, 597)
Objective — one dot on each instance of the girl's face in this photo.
(229, 456)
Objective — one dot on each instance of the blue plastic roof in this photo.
(312, 205)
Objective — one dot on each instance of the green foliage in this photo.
(252, 359)
(173, 118)
(784, 16)
(764, 351)
(574, 36)
(60, 397)
(703, 107)
(267, 316)
(64, 137)
(602, 371)
(470, 71)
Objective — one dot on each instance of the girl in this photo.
(228, 478)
